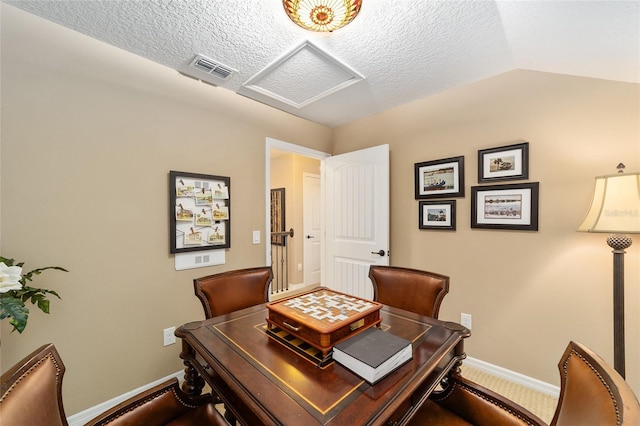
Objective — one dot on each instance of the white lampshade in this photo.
(615, 208)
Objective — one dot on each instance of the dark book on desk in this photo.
(373, 353)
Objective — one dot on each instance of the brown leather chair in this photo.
(409, 289)
(591, 393)
(32, 390)
(233, 290)
(32, 396)
(164, 404)
(230, 291)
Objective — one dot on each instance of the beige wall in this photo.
(89, 135)
(529, 292)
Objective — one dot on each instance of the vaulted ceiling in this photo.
(394, 52)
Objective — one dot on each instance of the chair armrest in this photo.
(164, 404)
(481, 406)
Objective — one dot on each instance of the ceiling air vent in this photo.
(211, 67)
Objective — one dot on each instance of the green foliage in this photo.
(12, 302)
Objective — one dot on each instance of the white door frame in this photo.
(294, 149)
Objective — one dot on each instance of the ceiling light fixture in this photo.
(322, 15)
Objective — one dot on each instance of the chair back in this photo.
(593, 393)
(232, 290)
(32, 390)
(409, 289)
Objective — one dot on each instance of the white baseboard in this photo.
(512, 376)
(291, 290)
(83, 417)
(295, 286)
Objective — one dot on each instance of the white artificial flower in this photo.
(10, 277)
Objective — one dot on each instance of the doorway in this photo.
(354, 214)
(286, 165)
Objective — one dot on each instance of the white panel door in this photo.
(356, 209)
(311, 228)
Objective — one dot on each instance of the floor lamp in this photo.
(615, 209)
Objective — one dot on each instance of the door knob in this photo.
(310, 236)
(379, 252)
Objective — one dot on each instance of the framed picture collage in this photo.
(511, 206)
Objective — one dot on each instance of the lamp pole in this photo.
(618, 243)
(615, 210)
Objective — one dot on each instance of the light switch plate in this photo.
(465, 320)
(256, 237)
(168, 337)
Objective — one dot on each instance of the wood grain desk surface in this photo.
(263, 381)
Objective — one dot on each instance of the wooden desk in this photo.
(264, 382)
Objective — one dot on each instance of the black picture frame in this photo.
(439, 178)
(438, 215)
(510, 162)
(510, 206)
(199, 212)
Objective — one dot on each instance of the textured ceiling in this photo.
(391, 54)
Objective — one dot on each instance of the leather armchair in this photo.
(32, 396)
(591, 393)
(230, 291)
(413, 290)
(233, 290)
(464, 402)
(164, 404)
(32, 390)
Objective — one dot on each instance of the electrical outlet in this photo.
(168, 337)
(465, 320)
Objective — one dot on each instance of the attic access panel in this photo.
(288, 81)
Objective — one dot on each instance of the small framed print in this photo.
(437, 215)
(513, 206)
(509, 162)
(199, 212)
(440, 178)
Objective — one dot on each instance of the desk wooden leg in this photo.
(446, 381)
(460, 354)
(193, 383)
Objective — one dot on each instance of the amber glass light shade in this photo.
(322, 15)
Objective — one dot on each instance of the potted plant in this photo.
(15, 292)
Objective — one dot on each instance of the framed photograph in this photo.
(504, 163)
(437, 215)
(513, 206)
(198, 212)
(440, 178)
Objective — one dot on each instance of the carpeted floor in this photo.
(540, 404)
